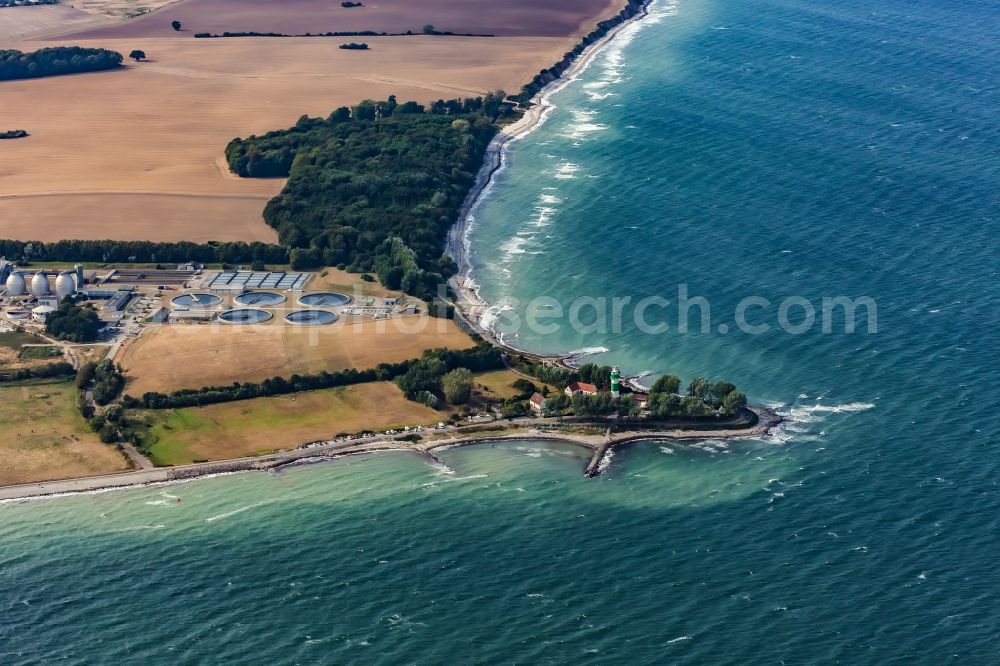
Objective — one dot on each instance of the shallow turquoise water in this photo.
(770, 148)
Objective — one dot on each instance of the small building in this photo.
(179, 316)
(391, 301)
(642, 399)
(42, 312)
(576, 388)
(50, 301)
(537, 402)
(190, 267)
(118, 300)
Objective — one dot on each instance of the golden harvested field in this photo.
(121, 8)
(350, 284)
(172, 357)
(137, 153)
(24, 22)
(254, 427)
(58, 446)
(552, 18)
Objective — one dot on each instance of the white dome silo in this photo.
(15, 284)
(65, 286)
(39, 285)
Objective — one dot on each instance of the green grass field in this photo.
(263, 425)
(43, 436)
(16, 339)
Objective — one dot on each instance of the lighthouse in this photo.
(615, 379)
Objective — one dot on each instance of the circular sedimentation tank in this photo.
(245, 316)
(310, 317)
(196, 300)
(260, 299)
(328, 299)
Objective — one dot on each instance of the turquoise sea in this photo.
(765, 148)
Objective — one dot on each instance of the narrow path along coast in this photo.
(759, 422)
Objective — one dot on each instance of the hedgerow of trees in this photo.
(481, 357)
(112, 251)
(58, 369)
(55, 60)
(375, 186)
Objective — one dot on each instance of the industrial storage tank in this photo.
(65, 285)
(15, 284)
(39, 285)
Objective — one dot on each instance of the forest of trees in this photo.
(142, 252)
(55, 60)
(376, 185)
(74, 323)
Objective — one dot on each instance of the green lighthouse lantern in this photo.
(615, 379)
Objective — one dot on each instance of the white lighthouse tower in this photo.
(615, 381)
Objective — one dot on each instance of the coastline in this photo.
(470, 307)
(599, 446)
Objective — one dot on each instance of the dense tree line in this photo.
(348, 33)
(481, 357)
(59, 369)
(143, 252)
(73, 322)
(374, 184)
(55, 60)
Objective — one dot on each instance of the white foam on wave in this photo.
(606, 461)
(567, 171)
(581, 130)
(800, 421)
(139, 528)
(492, 314)
(221, 516)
